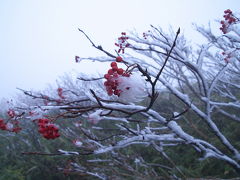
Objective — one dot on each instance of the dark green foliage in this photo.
(16, 166)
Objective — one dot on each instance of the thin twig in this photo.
(168, 55)
(97, 47)
(95, 96)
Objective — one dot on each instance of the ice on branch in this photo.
(200, 95)
(67, 153)
(77, 143)
(95, 117)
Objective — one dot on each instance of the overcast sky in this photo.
(39, 38)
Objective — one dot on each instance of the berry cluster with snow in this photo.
(229, 19)
(112, 78)
(122, 43)
(127, 85)
(10, 126)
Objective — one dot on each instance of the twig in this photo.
(95, 96)
(153, 83)
(97, 47)
(168, 55)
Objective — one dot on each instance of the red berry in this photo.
(111, 83)
(126, 75)
(113, 64)
(110, 92)
(119, 59)
(116, 92)
(120, 71)
(106, 76)
(106, 83)
(110, 72)
(114, 68)
(114, 87)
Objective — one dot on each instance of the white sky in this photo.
(39, 38)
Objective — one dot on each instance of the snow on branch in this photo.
(150, 78)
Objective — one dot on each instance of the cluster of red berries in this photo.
(112, 76)
(16, 129)
(6, 126)
(227, 56)
(47, 129)
(122, 43)
(3, 125)
(228, 20)
(146, 34)
(60, 93)
(11, 113)
(12, 125)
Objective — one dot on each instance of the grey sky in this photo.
(39, 38)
